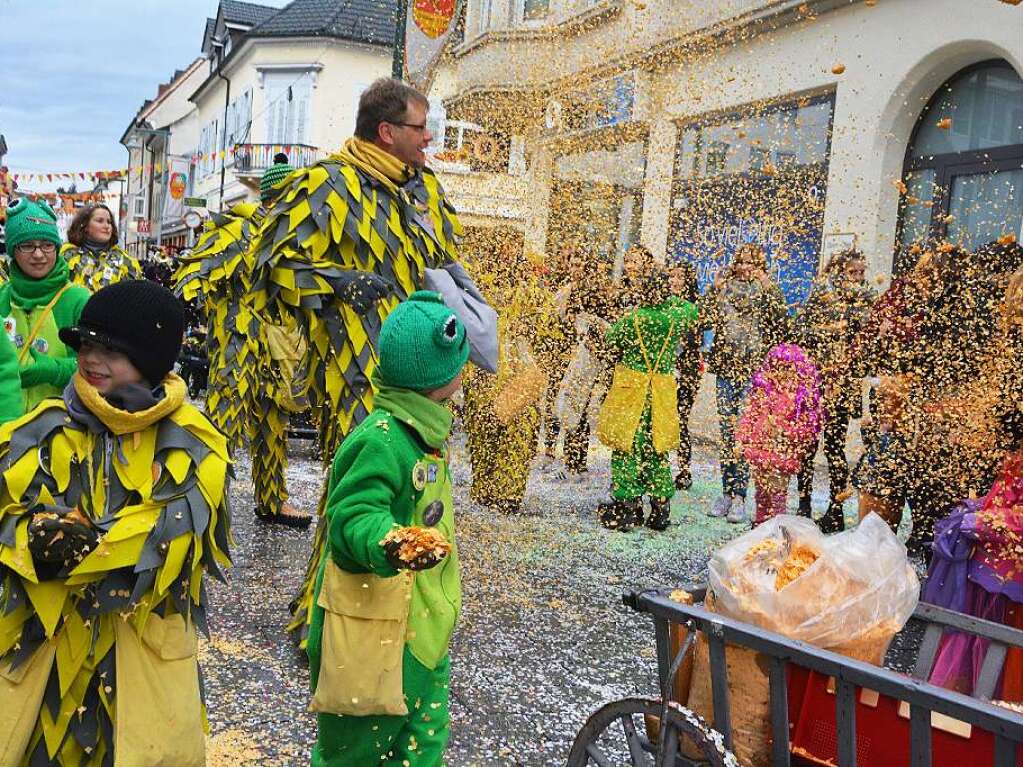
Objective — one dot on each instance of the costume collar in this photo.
(166, 398)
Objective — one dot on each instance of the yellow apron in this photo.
(623, 406)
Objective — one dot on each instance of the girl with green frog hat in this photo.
(37, 301)
(384, 614)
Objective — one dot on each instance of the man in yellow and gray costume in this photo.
(253, 358)
(373, 209)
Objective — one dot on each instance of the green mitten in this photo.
(43, 370)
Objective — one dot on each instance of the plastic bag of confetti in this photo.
(849, 593)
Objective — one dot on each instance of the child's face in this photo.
(444, 393)
(105, 368)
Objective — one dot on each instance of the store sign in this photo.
(783, 213)
(142, 225)
(195, 202)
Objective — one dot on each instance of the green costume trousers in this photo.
(415, 740)
(642, 471)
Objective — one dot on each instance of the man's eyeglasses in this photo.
(28, 248)
(413, 126)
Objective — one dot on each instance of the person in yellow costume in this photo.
(253, 359)
(113, 507)
(501, 453)
(361, 226)
(94, 259)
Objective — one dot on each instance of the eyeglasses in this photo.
(413, 126)
(28, 248)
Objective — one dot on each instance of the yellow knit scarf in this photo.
(121, 421)
(374, 161)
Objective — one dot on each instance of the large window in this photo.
(760, 176)
(964, 168)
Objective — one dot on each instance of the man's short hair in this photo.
(385, 101)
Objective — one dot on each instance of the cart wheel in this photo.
(617, 734)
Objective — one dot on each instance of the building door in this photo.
(757, 176)
(963, 171)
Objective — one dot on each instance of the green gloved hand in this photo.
(43, 370)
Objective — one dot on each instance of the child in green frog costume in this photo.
(378, 642)
(37, 301)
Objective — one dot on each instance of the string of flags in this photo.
(149, 169)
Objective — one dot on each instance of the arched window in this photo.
(964, 167)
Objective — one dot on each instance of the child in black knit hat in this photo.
(113, 505)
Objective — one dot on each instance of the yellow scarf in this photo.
(121, 421)
(374, 161)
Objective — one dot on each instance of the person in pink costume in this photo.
(782, 419)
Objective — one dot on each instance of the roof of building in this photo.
(365, 21)
(248, 14)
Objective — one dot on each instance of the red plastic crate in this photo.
(882, 729)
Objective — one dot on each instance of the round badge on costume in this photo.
(10, 327)
(419, 475)
(433, 513)
(18, 340)
(41, 345)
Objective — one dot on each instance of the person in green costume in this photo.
(37, 301)
(645, 339)
(382, 616)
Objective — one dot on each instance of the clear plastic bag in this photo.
(849, 593)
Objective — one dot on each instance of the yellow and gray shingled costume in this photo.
(331, 219)
(159, 498)
(244, 378)
(97, 269)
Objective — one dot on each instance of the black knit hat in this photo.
(139, 318)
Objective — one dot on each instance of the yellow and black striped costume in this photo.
(95, 269)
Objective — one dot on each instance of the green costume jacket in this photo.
(384, 474)
(23, 302)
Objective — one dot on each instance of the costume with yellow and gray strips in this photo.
(241, 396)
(330, 219)
(218, 272)
(97, 269)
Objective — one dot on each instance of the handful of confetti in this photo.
(416, 547)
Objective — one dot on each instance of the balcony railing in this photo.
(253, 159)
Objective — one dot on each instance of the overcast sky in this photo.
(75, 72)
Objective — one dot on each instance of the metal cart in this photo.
(874, 717)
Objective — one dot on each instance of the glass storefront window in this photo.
(791, 135)
(964, 168)
(759, 177)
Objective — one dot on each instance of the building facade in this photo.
(804, 125)
(286, 81)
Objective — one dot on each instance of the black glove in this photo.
(361, 290)
(424, 561)
(58, 535)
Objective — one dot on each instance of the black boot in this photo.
(805, 507)
(660, 514)
(620, 515)
(833, 520)
(684, 479)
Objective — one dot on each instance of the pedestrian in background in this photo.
(94, 258)
(639, 417)
(38, 300)
(746, 310)
(826, 326)
(782, 418)
(682, 280)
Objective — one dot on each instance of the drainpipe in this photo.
(227, 102)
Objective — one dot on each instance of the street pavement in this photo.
(544, 638)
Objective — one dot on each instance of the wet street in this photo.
(543, 641)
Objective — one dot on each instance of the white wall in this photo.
(895, 53)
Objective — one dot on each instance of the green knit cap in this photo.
(422, 344)
(30, 220)
(274, 175)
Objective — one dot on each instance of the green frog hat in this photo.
(422, 344)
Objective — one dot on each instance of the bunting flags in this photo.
(155, 168)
